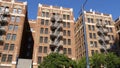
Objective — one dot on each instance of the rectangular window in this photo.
(45, 49)
(8, 36)
(65, 51)
(45, 39)
(41, 39)
(90, 35)
(41, 30)
(19, 11)
(69, 33)
(110, 29)
(39, 59)
(4, 56)
(14, 10)
(95, 44)
(92, 20)
(68, 17)
(46, 30)
(17, 19)
(40, 49)
(69, 41)
(64, 41)
(47, 14)
(11, 47)
(15, 27)
(10, 27)
(46, 22)
(91, 43)
(68, 24)
(6, 46)
(43, 14)
(9, 58)
(42, 21)
(94, 35)
(64, 16)
(69, 51)
(13, 37)
(92, 52)
(93, 28)
(64, 32)
(64, 24)
(89, 27)
(88, 20)
(12, 18)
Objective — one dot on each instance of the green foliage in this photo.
(55, 60)
(81, 63)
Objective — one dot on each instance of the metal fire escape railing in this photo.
(102, 33)
(56, 34)
(4, 13)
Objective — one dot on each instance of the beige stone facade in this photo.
(12, 19)
(100, 33)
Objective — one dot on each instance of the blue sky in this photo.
(104, 6)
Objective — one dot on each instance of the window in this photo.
(4, 56)
(14, 10)
(64, 41)
(95, 44)
(46, 30)
(12, 18)
(46, 22)
(17, 19)
(40, 49)
(64, 32)
(9, 58)
(91, 43)
(6, 46)
(15, 27)
(64, 24)
(47, 14)
(92, 20)
(41, 30)
(110, 29)
(65, 51)
(69, 51)
(41, 39)
(11, 47)
(43, 14)
(112, 37)
(10, 27)
(64, 16)
(45, 39)
(42, 21)
(69, 41)
(68, 24)
(39, 59)
(92, 52)
(89, 27)
(68, 33)
(109, 22)
(90, 35)
(88, 20)
(45, 49)
(68, 17)
(8, 36)
(94, 35)
(93, 28)
(19, 11)
(13, 37)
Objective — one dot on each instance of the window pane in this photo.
(46, 30)
(45, 49)
(46, 22)
(64, 24)
(41, 39)
(90, 35)
(69, 33)
(9, 58)
(95, 44)
(47, 14)
(15, 27)
(14, 10)
(69, 51)
(43, 14)
(94, 35)
(13, 37)
(11, 47)
(10, 27)
(6, 46)
(89, 27)
(41, 30)
(93, 28)
(17, 19)
(69, 41)
(46, 40)
(42, 21)
(19, 11)
(3, 58)
(12, 18)
(68, 17)
(88, 20)
(92, 20)
(8, 36)
(92, 52)
(68, 25)
(65, 51)
(64, 32)
(40, 49)
(64, 41)
(64, 16)
(39, 59)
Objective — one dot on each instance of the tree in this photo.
(55, 60)
(81, 63)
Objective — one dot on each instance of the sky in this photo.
(103, 6)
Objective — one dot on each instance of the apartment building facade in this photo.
(12, 19)
(117, 39)
(53, 34)
(99, 32)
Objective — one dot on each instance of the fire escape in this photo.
(102, 33)
(4, 13)
(56, 34)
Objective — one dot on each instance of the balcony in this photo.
(2, 29)
(107, 39)
(105, 31)
(99, 31)
(3, 21)
(53, 19)
(60, 20)
(100, 40)
(60, 27)
(54, 25)
(1, 39)
(6, 12)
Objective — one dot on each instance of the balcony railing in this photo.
(98, 24)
